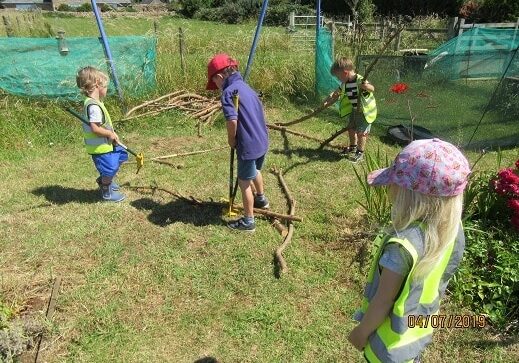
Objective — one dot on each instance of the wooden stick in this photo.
(280, 227)
(333, 137)
(288, 238)
(50, 311)
(288, 131)
(152, 101)
(193, 200)
(189, 153)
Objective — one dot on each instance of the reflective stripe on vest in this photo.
(367, 102)
(394, 341)
(93, 143)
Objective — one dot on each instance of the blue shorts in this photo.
(108, 164)
(248, 169)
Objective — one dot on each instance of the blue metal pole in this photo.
(256, 37)
(317, 31)
(108, 53)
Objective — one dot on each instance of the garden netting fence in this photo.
(466, 91)
(35, 66)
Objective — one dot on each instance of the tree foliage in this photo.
(363, 10)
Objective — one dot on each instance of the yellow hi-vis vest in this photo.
(95, 144)
(367, 102)
(399, 338)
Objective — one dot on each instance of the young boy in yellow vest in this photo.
(354, 89)
(101, 141)
(414, 259)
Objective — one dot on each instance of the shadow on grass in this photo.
(311, 155)
(486, 344)
(58, 194)
(179, 211)
(206, 360)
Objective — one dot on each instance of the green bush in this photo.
(488, 276)
(376, 201)
(230, 12)
(188, 8)
(105, 7)
(209, 14)
(83, 8)
(64, 7)
(499, 11)
(277, 15)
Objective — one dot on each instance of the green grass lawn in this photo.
(156, 279)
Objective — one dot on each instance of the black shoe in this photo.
(348, 151)
(356, 157)
(240, 225)
(262, 203)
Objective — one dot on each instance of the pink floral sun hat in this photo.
(432, 167)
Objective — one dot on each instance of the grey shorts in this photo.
(358, 123)
(248, 169)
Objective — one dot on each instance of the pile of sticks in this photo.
(202, 108)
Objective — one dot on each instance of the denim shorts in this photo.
(108, 164)
(248, 169)
(358, 123)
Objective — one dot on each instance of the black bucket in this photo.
(402, 134)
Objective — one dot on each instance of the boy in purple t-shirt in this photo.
(246, 132)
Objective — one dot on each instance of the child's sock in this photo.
(352, 148)
(260, 196)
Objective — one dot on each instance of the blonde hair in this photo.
(441, 217)
(342, 64)
(88, 78)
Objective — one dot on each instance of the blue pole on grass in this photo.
(108, 53)
(317, 31)
(256, 37)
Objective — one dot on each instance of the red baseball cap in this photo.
(216, 64)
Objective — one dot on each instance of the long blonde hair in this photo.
(441, 217)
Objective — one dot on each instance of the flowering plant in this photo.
(399, 88)
(506, 184)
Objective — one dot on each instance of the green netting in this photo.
(325, 81)
(34, 66)
(475, 112)
(476, 53)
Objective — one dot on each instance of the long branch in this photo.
(189, 153)
(288, 237)
(333, 137)
(152, 101)
(288, 131)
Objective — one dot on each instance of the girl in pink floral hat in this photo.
(416, 257)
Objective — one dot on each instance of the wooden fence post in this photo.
(181, 48)
(451, 27)
(292, 20)
(397, 40)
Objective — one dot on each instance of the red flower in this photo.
(513, 204)
(507, 176)
(517, 164)
(512, 189)
(399, 88)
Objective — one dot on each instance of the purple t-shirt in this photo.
(252, 139)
